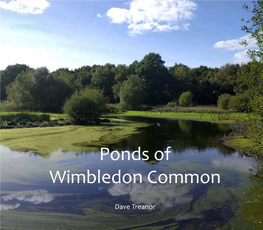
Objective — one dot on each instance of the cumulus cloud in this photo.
(25, 6)
(8, 206)
(234, 44)
(99, 16)
(163, 195)
(154, 15)
(34, 196)
(242, 57)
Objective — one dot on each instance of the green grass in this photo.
(68, 138)
(211, 117)
(241, 142)
(22, 118)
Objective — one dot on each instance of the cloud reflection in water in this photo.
(166, 195)
(33, 196)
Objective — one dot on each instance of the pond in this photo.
(29, 199)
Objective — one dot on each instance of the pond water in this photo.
(29, 199)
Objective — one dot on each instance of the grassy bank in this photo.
(11, 120)
(218, 117)
(208, 114)
(68, 138)
(238, 141)
(241, 142)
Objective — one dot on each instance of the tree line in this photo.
(147, 81)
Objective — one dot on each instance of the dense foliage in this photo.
(132, 93)
(84, 106)
(25, 88)
(223, 101)
(38, 90)
(186, 99)
(254, 78)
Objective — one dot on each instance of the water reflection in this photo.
(162, 195)
(27, 189)
(35, 197)
(179, 134)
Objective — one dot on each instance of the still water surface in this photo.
(29, 200)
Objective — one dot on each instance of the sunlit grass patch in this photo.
(211, 117)
(43, 141)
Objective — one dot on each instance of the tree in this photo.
(240, 103)
(254, 78)
(121, 73)
(9, 75)
(37, 90)
(84, 106)
(156, 77)
(132, 93)
(186, 99)
(104, 78)
(82, 77)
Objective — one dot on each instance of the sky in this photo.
(70, 34)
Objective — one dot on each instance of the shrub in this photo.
(171, 104)
(186, 99)
(85, 106)
(240, 103)
(8, 106)
(223, 101)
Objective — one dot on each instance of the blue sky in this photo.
(75, 33)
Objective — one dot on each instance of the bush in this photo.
(223, 101)
(85, 106)
(186, 99)
(240, 103)
(171, 104)
(8, 106)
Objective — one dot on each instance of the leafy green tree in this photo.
(200, 86)
(121, 74)
(254, 79)
(104, 78)
(223, 101)
(82, 77)
(8, 75)
(186, 99)
(84, 106)
(132, 93)
(156, 77)
(225, 79)
(37, 90)
(240, 103)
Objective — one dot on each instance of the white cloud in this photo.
(25, 6)
(242, 57)
(234, 44)
(154, 15)
(99, 16)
